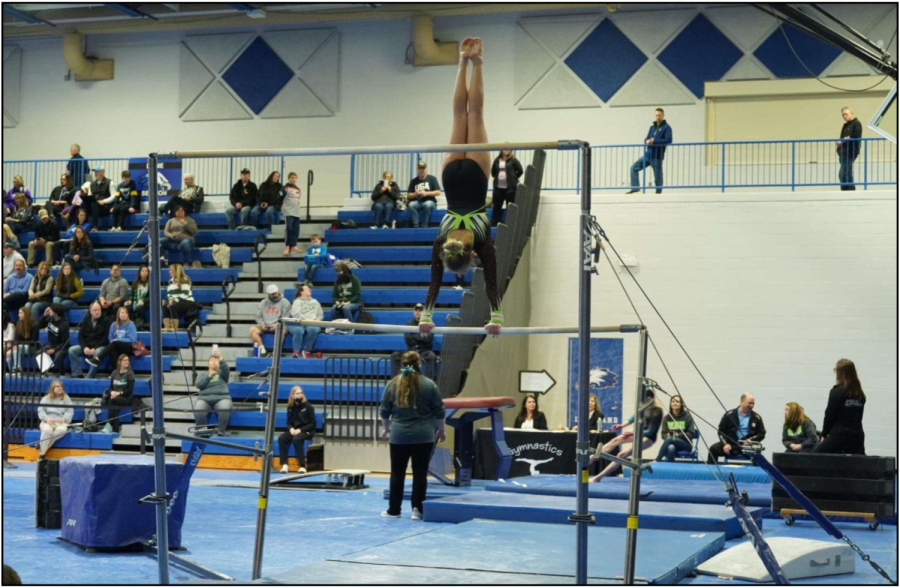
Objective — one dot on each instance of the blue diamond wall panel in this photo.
(776, 54)
(257, 75)
(700, 53)
(605, 60)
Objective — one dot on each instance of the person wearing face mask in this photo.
(272, 308)
(346, 294)
(301, 422)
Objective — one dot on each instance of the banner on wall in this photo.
(605, 378)
(168, 179)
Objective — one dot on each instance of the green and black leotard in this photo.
(466, 188)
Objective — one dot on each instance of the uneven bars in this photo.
(318, 151)
(459, 330)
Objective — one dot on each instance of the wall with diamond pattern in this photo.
(12, 77)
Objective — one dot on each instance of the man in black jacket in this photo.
(848, 148)
(100, 190)
(738, 428)
(243, 198)
(421, 344)
(46, 235)
(93, 335)
(54, 320)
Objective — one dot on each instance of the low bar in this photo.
(459, 330)
(379, 150)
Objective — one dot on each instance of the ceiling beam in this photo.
(25, 17)
(126, 9)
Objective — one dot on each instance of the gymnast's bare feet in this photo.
(465, 48)
(596, 479)
(475, 50)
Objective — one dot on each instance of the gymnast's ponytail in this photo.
(408, 380)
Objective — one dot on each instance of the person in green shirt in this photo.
(677, 430)
(412, 414)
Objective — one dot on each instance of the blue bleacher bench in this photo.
(245, 441)
(197, 275)
(356, 342)
(125, 415)
(380, 236)
(208, 237)
(383, 254)
(203, 219)
(74, 386)
(258, 420)
(101, 441)
(77, 314)
(179, 339)
(312, 366)
(110, 256)
(367, 217)
(201, 295)
(382, 296)
(383, 275)
(249, 391)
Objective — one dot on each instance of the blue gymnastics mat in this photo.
(690, 491)
(492, 552)
(700, 471)
(532, 508)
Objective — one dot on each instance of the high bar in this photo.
(320, 151)
(460, 330)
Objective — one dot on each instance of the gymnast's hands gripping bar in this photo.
(458, 330)
(455, 148)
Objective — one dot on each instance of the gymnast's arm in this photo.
(437, 275)
(488, 256)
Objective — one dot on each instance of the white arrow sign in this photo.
(536, 382)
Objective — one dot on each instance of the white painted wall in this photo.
(766, 291)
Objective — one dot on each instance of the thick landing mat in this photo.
(701, 471)
(505, 506)
(492, 552)
(690, 491)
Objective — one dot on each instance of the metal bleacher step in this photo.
(280, 267)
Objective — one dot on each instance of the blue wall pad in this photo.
(505, 506)
(690, 491)
(663, 557)
(95, 441)
(699, 471)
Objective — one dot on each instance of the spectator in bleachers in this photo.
(27, 337)
(180, 231)
(139, 300)
(40, 292)
(94, 201)
(61, 199)
(57, 325)
(301, 422)
(126, 200)
(272, 308)
(9, 235)
(113, 292)
(346, 293)
(270, 193)
(55, 420)
(190, 197)
(120, 393)
(80, 220)
(290, 208)
(677, 430)
(421, 344)
(506, 171)
(21, 218)
(15, 288)
(739, 427)
(93, 336)
(46, 235)
(214, 395)
(421, 197)
(848, 148)
(179, 299)
(384, 199)
(529, 416)
(659, 135)
(68, 287)
(306, 308)
(316, 257)
(9, 341)
(10, 255)
(799, 434)
(243, 199)
(9, 202)
(412, 415)
(78, 166)
(122, 335)
(81, 250)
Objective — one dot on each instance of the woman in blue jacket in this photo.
(122, 335)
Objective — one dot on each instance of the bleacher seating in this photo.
(308, 367)
(389, 275)
(76, 314)
(386, 296)
(95, 441)
(74, 386)
(380, 236)
(382, 343)
(197, 276)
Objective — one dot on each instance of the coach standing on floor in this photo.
(848, 148)
(738, 428)
(842, 430)
(659, 135)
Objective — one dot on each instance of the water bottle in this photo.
(256, 350)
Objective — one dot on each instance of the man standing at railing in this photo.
(78, 166)
(659, 135)
(848, 151)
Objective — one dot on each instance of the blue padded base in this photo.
(699, 471)
(689, 491)
(663, 557)
(94, 441)
(506, 506)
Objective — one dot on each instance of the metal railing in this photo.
(259, 246)
(22, 392)
(229, 284)
(353, 389)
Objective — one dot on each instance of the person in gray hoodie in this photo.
(305, 308)
(272, 308)
(214, 395)
(113, 292)
(54, 419)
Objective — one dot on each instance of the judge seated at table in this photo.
(595, 417)
(529, 416)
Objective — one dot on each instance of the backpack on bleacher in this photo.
(92, 416)
(222, 255)
(365, 318)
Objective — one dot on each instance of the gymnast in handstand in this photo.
(465, 231)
